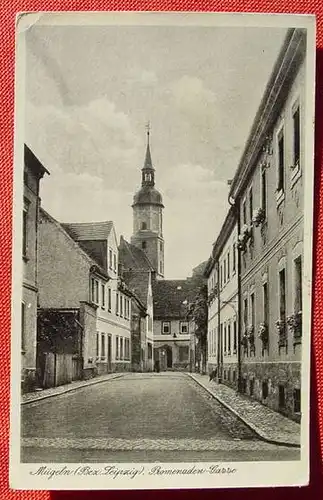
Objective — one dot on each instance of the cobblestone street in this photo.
(140, 417)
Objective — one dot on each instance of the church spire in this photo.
(148, 172)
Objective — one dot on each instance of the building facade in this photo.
(173, 328)
(268, 193)
(223, 313)
(137, 271)
(112, 299)
(33, 172)
(148, 217)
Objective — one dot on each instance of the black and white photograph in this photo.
(162, 268)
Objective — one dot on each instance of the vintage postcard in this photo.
(162, 263)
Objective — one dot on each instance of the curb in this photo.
(250, 425)
(70, 389)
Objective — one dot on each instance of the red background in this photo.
(8, 11)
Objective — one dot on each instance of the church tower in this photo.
(148, 216)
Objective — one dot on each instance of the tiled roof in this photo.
(89, 230)
(172, 297)
(135, 269)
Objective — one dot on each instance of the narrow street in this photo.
(164, 417)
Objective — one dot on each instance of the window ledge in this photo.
(280, 197)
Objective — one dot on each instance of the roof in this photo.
(148, 195)
(32, 161)
(95, 265)
(88, 230)
(135, 268)
(171, 298)
(278, 86)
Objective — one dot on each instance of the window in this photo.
(245, 313)
(298, 284)
(281, 162)
(225, 338)
(103, 353)
(264, 191)
(244, 213)
(94, 291)
(251, 386)
(234, 336)
(97, 350)
(166, 327)
(228, 266)
(250, 204)
(252, 301)
(282, 295)
(117, 347)
(150, 351)
(102, 296)
(23, 326)
(265, 303)
(109, 299)
(161, 246)
(224, 271)
(114, 262)
(161, 267)
(221, 276)
(183, 327)
(117, 304)
(24, 232)
(221, 335)
(229, 339)
(281, 397)
(234, 376)
(297, 400)
(265, 389)
(234, 258)
(110, 259)
(121, 348)
(121, 305)
(183, 354)
(144, 245)
(296, 136)
(148, 177)
(144, 225)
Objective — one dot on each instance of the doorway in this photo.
(169, 357)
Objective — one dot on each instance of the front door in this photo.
(169, 357)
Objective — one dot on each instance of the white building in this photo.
(222, 275)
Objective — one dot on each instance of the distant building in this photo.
(33, 172)
(223, 314)
(148, 217)
(173, 329)
(137, 271)
(267, 191)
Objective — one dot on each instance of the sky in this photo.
(90, 91)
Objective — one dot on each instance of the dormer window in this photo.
(144, 245)
(144, 225)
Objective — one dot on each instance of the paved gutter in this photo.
(64, 389)
(251, 425)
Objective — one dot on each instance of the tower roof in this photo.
(148, 194)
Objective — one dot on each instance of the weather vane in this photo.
(148, 128)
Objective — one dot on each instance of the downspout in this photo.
(235, 206)
(219, 353)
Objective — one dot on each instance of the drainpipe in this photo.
(235, 206)
(219, 353)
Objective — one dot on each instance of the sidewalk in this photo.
(30, 397)
(270, 425)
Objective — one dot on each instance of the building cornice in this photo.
(285, 69)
